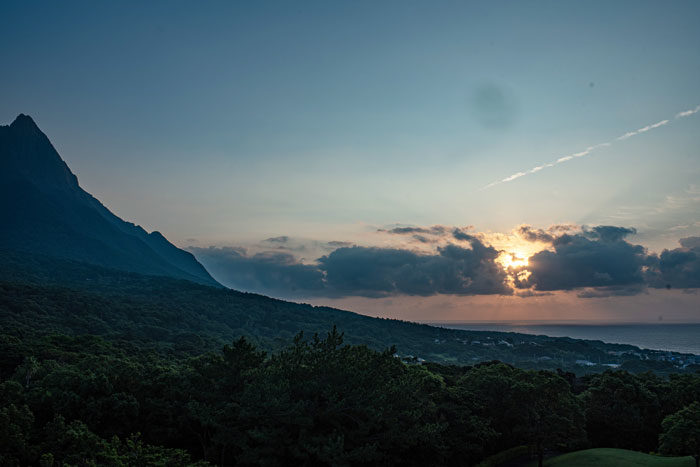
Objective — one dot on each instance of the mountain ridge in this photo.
(44, 210)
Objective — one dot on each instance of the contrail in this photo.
(590, 149)
(688, 112)
(642, 130)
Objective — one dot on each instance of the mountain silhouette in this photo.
(44, 210)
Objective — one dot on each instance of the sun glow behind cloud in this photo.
(515, 259)
(515, 250)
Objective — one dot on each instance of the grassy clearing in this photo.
(604, 457)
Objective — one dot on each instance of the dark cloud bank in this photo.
(602, 260)
(362, 271)
(598, 262)
(597, 258)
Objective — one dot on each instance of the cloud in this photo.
(590, 149)
(460, 234)
(599, 257)
(678, 268)
(436, 234)
(298, 245)
(531, 234)
(612, 291)
(274, 273)
(602, 263)
(379, 272)
(338, 244)
(422, 239)
(562, 228)
(280, 239)
(361, 271)
(595, 262)
(690, 242)
(534, 235)
(433, 230)
(608, 233)
(527, 293)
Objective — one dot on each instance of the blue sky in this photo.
(226, 123)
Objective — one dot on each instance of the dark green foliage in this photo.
(326, 403)
(75, 444)
(622, 411)
(317, 402)
(526, 407)
(15, 424)
(681, 433)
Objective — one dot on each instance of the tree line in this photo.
(82, 400)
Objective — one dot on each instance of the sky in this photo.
(284, 143)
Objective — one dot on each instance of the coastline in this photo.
(673, 337)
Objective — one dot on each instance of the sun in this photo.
(513, 259)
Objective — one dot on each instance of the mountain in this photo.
(44, 210)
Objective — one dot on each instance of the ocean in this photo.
(674, 337)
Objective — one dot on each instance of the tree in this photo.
(622, 412)
(15, 425)
(553, 415)
(526, 407)
(213, 390)
(490, 388)
(681, 433)
(321, 402)
(684, 389)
